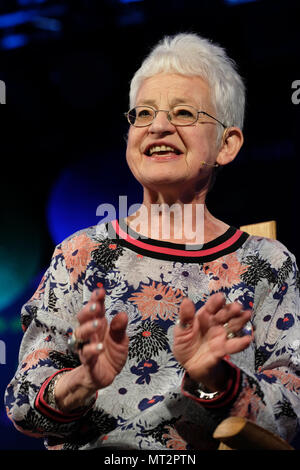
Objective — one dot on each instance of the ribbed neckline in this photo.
(226, 243)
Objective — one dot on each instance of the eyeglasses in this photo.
(181, 115)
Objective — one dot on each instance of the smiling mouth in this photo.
(161, 150)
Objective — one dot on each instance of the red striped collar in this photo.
(231, 240)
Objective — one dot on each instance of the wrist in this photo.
(72, 392)
(214, 381)
(51, 408)
(49, 394)
(213, 399)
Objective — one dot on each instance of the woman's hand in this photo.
(102, 355)
(201, 341)
(105, 354)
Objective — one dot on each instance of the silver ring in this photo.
(74, 343)
(230, 333)
(182, 325)
(247, 330)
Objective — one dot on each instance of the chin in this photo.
(166, 181)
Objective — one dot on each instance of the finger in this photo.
(117, 329)
(236, 324)
(88, 329)
(206, 314)
(238, 344)
(228, 312)
(94, 308)
(220, 346)
(186, 312)
(91, 352)
(213, 304)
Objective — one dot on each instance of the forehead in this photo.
(174, 88)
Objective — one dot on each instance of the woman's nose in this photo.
(161, 123)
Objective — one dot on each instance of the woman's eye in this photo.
(144, 113)
(183, 112)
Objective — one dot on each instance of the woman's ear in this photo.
(232, 141)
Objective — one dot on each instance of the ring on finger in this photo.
(75, 344)
(230, 334)
(182, 324)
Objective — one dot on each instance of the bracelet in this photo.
(50, 390)
(51, 399)
(199, 390)
(203, 395)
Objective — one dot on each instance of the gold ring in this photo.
(230, 333)
(182, 325)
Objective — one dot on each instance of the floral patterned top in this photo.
(150, 405)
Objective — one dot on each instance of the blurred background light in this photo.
(130, 1)
(12, 41)
(49, 24)
(30, 2)
(83, 186)
(20, 252)
(237, 2)
(16, 18)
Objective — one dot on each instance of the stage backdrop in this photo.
(65, 69)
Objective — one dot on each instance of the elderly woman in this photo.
(144, 338)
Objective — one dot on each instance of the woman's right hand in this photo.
(102, 357)
(105, 354)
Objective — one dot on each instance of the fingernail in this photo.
(98, 291)
(95, 323)
(93, 307)
(99, 346)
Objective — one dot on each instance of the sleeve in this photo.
(47, 320)
(270, 392)
(267, 386)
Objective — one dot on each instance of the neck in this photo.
(182, 219)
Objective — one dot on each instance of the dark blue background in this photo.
(67, 67)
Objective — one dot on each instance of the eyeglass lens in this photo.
(179, 115)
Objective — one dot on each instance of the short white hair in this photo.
(190, 54)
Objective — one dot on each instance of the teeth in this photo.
(160, 148)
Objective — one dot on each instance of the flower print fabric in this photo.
(150, 405)
(224, 272)
(157, 301)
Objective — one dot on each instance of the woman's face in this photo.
(192, 144)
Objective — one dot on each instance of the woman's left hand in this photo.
(201, 340)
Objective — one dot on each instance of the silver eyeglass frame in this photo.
(155, 111)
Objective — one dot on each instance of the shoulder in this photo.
(270, 259)
(93, 233)
(82, 242)
(267, 248)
